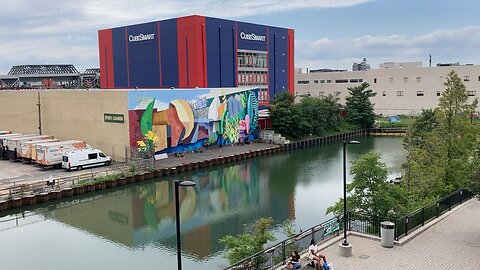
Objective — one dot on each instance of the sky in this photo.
(328, 33)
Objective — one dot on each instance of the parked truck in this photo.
(13, 144)
(3, 132)
(3, 147)
(27, 148)
(84, 158)
(50, 154)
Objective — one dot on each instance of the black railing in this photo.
(370, 224)
(277, 254)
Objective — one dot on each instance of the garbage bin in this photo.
(387, 231)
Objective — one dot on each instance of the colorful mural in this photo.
(169, 121)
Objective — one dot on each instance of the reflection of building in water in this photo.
(223, 200)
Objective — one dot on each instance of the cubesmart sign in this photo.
(143, 55)
(252, 37)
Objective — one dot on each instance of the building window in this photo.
(391, 79)
(353, 80)
(405, 79)
(439, 93)
(418, 79)
(420, 93)
(303, 82)
(341, 81)
(479, 78)
(361, 80)
(374, 80)
(308, 94)
(399, 93)
(322, 81)
(384, 93)
(315, 81)
(336, 94)
(329, 81)
(466, 78)
(472, 93)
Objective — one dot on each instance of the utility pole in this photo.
(39, 113)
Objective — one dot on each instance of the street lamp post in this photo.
(177, 216)
(345, 241)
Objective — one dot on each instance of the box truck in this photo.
(84, 158)
(13, 144)
(3, 149)
(50, 154)
(28, 148)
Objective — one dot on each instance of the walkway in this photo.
(452, 243)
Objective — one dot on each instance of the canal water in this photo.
(133, 227)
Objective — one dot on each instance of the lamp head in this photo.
(353, 142)
(187, 183)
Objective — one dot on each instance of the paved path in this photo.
(212, 153)
(452, 243)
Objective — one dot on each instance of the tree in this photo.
(458, 135)
(247, 244)
(368, 192)
(359, 107)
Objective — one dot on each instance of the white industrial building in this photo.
(401, 87)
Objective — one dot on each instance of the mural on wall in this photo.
(166, 121)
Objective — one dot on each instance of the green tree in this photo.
(368, 192)
(458, 135)
(247, 244)
(359, 107)
(474, 178)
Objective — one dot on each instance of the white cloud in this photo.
(450, 45)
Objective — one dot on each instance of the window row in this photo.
(330, 81)
(422, 93)
(252, 78)
(254, 60)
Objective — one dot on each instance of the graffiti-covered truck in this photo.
(50, 154)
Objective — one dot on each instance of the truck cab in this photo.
(84, 158)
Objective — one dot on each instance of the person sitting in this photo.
(294, 261)
(316, 255)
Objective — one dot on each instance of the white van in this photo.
(83, 158)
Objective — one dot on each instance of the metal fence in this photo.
(37, 185)
(277, 254)
(370, 224)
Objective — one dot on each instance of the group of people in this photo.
(314, 254)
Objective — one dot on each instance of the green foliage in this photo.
(146, 121)
(246, 244)
(311, 116)
(439, 146)
(368, 192)
(359, 107)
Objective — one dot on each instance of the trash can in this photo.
(387, 231)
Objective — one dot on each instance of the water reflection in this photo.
(224, 199)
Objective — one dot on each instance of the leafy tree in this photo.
(247, 244)
(359, 107)
(458, 135)
(474, 178)
(368, 192)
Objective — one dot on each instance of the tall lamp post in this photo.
(346, 251)
(177, 215)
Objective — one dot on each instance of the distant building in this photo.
(361, 66)
(400, 65)
(402, 88)
(327, 70)
(41, 76)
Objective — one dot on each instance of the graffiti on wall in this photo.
(166, 121)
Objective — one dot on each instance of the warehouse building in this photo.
(402, 88)
(197, 51)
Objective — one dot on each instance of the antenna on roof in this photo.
(430, 62)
